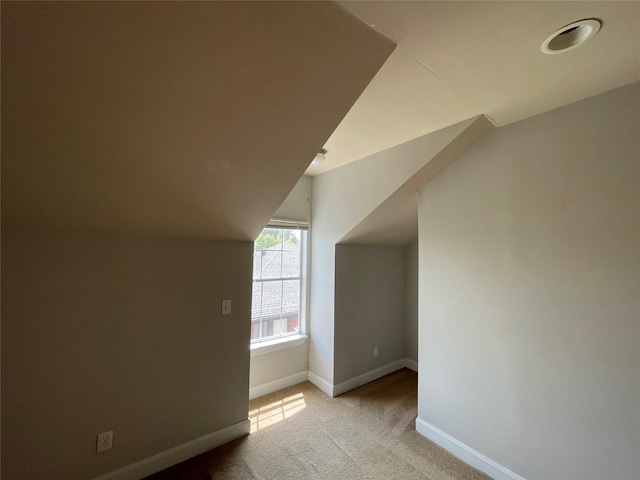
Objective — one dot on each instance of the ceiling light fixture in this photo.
(319, 157)
(570, 36)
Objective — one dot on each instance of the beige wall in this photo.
(160, 120)
(277, 366)
(369, 309)
(273, 366)
(297, 205)
(411, 301)
(118, 333)
(529, 281)
(190, 119)
(342, 199)
(188, 134)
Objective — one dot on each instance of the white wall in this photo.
(118, 333)
(297, 205)
(342, 198)
(274, 366)
(529, 281)
(273, 371)
(369, 309)
(411, 301)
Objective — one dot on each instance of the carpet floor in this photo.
(300, 433)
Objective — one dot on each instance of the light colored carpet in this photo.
(300, 433)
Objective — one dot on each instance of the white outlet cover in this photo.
(105, 442)
(226, 307)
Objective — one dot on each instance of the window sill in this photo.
(269, 346)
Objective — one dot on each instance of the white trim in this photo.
(321, 383)
(464, 452)
(270, 387)
(260, 348)
(411, 364)
(168, 458)
(367, 377)
(339, 389)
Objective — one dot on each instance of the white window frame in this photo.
(271, 344)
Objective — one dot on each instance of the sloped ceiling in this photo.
(459, 59)
(171, 118)
(344, 199)
(395, 220)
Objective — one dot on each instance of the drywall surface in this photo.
(297, 205)
(320, 322)
(190, 119)
(341, 199)
(528, 294)
(273, 366)
(369, 309)
(114, 333)
(395, 220)
(411, 301)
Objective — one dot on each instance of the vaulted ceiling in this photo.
(171, 118)
(197, 118)
(458, 59)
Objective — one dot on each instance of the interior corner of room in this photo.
(475, 220)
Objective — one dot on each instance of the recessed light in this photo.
(570, 36)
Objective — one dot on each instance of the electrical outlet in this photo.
(105, 442)
(375, 352)
(226, 307)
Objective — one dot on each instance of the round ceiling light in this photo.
(570, 36)
(319, 157)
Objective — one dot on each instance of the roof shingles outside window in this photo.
(279, 297)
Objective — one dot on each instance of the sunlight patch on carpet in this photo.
(275, 412)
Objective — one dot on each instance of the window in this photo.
(279, 257)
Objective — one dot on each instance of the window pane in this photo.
(257, 263)
(256, 300)
(256, 310)
(291, 262)
(272, 262)
(270, 237)
(293, 324)
(271, 298)
(290, 297)
(277, 262)
(279, 326)
(292, 237)
(255, 329)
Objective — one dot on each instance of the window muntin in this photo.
(278, 266)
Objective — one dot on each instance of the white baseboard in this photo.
(178, 454)
(344, 387)
(411, 364)
(367, 377)
(321, 383)
(464, 452)
(270, 387)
